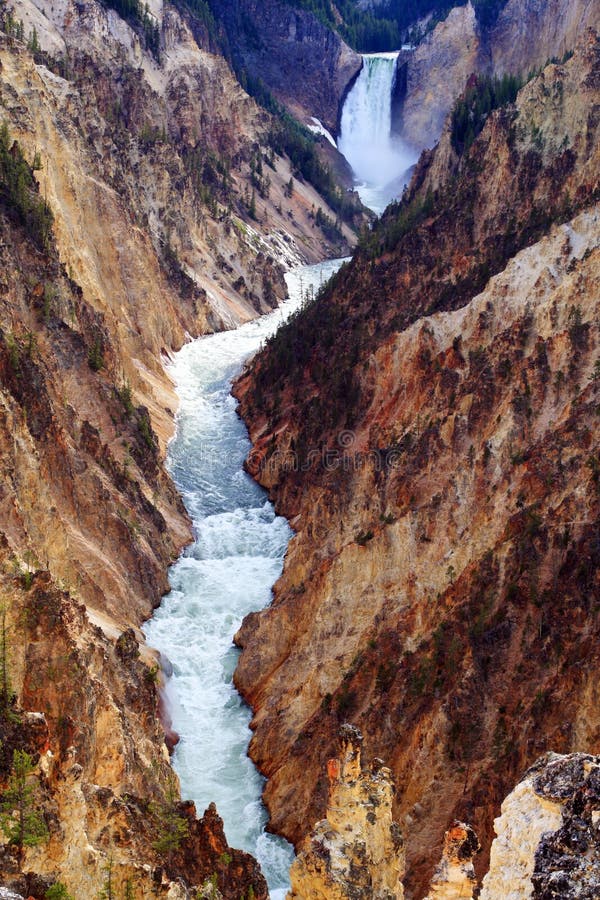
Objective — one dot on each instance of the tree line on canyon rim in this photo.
(386, 26)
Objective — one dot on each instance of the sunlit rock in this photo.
(356, 853)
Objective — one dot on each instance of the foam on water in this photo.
(380, 161)
(226, 573)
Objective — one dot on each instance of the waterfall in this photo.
(379, 161)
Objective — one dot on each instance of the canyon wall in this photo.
(435, 74)
(429, 426)
(305, 64)
(525, 37)
(140, 203)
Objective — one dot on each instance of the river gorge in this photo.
(240, 543)
(226, 573)
(417, 630)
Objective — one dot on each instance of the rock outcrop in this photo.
(454, 878)
(356, 852)
(527, 35)
(431, 432)
(435, 74)
(547, 843)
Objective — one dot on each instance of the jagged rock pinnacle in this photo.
(356, 853)
(454, 878)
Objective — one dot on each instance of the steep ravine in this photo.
(228, 571)
(432, 436)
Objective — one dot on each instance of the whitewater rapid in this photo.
(226, 573)
(379, 160)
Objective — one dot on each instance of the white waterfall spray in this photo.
(379, 161)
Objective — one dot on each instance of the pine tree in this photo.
(5, 688)
(33, 43)
(172, 828)
(107, 891)
(20, 820)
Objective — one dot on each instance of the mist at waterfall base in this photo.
(226, 573)
(379, 160)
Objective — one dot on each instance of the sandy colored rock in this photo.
(427, 586)
(357, 851)
(437, 73)
(454, 877)
(525, 37)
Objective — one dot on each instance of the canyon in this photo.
(428, 425)
(141, 203)
(441, 588)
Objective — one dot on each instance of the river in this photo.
(226, 573)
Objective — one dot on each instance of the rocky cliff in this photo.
(547, 842)
(434, 75)
(454, 878)
(432, 435)
(525, 36)
(140, 203)
(306, 65)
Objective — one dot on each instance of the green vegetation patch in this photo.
(19, 190)
(388, 25)
(471, 111)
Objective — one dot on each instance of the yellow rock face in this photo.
(356, 852)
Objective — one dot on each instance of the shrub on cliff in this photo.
(58, 891)
(19, 190)
(171, 827)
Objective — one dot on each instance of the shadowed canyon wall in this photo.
(306, 65)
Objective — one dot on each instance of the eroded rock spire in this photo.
(356, 853)
(454, 878)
